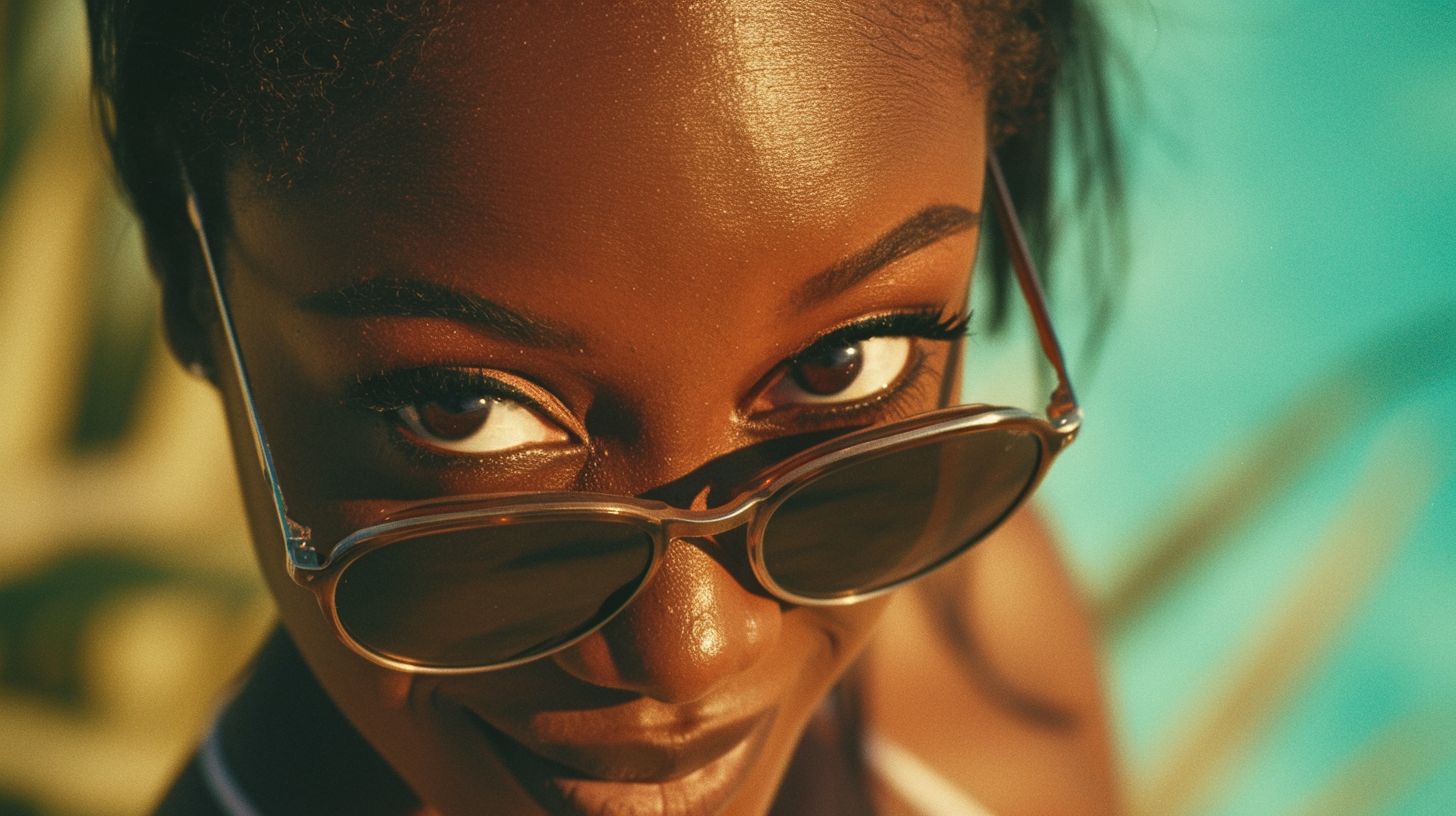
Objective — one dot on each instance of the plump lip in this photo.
(661, 774)
(644, 756)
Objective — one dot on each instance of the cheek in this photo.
(842, 631)
(819, 645)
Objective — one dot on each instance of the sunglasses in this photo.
(476, 583)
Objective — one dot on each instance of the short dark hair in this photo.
(206, 81)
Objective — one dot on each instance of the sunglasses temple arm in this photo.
(296, 538)
(1062, 409)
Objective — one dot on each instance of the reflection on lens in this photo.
(890, 517)
(491, 595)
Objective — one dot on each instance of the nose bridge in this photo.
(664, 448)
(695, 625)
(696, 465)
(702, 618)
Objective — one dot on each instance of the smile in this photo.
(654, 775)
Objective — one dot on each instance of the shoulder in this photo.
(988, 672)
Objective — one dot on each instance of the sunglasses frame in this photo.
(753, 508)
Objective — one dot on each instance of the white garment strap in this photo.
(219, 780)
(920, 785)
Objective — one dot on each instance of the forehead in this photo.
(615, 137)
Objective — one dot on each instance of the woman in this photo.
(574, 341)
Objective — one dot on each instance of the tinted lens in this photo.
(889, 517)
(483, 596)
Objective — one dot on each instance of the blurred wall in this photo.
(127, 594)
(1264, 497)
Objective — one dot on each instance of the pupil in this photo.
(829, 370)
(455, 419)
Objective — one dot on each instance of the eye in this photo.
(477, 424)
(466, 412)
(841, 372)
(863, 366)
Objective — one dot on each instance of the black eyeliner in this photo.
(394, 390)
(926, 324)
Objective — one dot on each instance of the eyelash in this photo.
(385, 393)
(388, 392)
(395, 390)
(924, 323)
(931, 324)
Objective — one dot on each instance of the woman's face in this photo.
(631, 228)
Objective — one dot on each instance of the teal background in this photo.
(1293, 199)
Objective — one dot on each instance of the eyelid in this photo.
(503, 385)
(544, 400)
(935, 324)
(943, 324)
(910, 382)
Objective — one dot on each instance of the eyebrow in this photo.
(409, 297)
(916, 232)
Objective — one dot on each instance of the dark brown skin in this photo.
(659, 185)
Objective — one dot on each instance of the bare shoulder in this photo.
(988, 673)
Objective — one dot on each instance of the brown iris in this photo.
(453, 420)
(829, 370)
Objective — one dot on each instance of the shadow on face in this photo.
(600, 249)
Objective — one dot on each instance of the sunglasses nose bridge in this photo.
(702, 523)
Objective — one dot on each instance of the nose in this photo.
(692, 627)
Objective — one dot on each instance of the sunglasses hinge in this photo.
(302, 554)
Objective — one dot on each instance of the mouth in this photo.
(646, 775)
